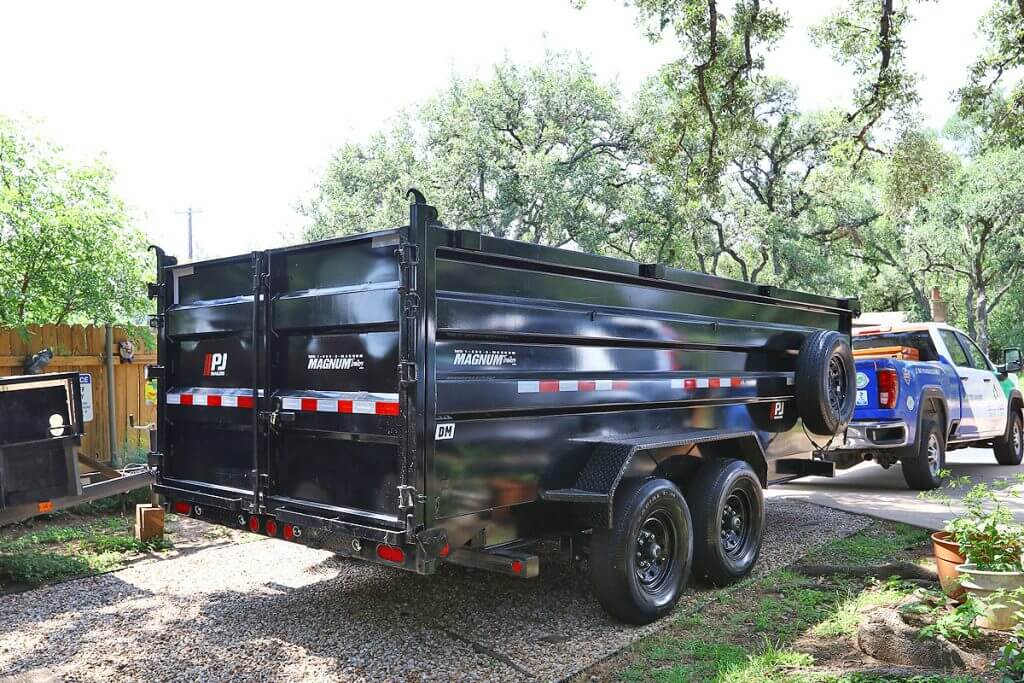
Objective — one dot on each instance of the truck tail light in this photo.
(182, 508)
(271, 527)
(254, 524)
(288, 531)
(390, 553)
(888, 388)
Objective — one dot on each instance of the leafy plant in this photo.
(1011, 657)
(987, 532)
(956, 624)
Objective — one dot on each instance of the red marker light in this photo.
(390, 553)
(254, 524)
(288, 532)
(182, 508)
(517, 566)
(445, 550)
(271, 528)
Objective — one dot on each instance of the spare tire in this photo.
(825, 392)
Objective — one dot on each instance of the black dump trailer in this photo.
(424, 395)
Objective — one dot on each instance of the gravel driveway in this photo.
(271, 610)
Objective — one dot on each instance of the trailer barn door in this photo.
(333, 349)
(210, 404)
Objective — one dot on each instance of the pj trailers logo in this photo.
(215, 364)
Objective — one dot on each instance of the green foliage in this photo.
(57, 553)
(956, 624)
(1011, 656)
(987, 532)
(535, 154)
(68, 252)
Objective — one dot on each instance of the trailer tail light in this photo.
(271, 527)
(390, 553)
(254, 524)
(287, 532)
(888, 388)
(182, 508)
(517, 567)
(445, 550)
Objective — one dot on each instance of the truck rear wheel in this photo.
(727, 505)
(1009, 448)
(922, 462)
(638, 568)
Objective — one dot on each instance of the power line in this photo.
(189, 212)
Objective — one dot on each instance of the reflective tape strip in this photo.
(342, 405)
(544, 386)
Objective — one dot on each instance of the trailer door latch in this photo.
(407, 372)
(407, 497)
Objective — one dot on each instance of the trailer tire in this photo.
(923, 460)
(824, 382)
(727, 506)
(1010, 447)
(639, 566)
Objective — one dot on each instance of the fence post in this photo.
(111, 400)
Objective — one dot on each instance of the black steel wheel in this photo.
(825, 394)
(727, 505)
(639, 566)
(1010, 447)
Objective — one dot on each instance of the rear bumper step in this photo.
(232, 504)
(335, 525)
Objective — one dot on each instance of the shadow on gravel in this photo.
(59, 632)
(317, 617)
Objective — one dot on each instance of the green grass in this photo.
(47, 551)
(875, 544)
(786, 606)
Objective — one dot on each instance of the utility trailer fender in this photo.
(612, 460)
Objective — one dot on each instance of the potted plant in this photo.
(948, 557)
(993, 543)
(978, 501)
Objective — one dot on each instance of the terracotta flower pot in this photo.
(947, 559)
(979, 583)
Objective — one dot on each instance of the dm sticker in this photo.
(445, 430)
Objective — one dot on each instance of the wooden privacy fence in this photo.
(83, 349)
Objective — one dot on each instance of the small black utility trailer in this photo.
(41, 428)
(424, 395)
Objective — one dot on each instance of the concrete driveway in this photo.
(868, 489)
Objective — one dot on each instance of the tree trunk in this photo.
(971, 311)
(981, 314)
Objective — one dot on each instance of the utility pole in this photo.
(189, 212)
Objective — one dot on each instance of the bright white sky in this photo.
(235, 107)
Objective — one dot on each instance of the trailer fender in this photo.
(631, 457)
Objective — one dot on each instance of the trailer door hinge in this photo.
(154, 289)
(407, 373)
(156, 322)
(406, 253)
(411, 305)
